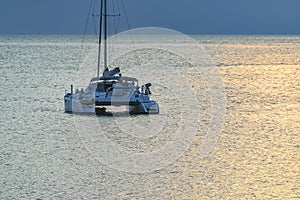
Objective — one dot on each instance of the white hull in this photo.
(75, 106)
(137, 104)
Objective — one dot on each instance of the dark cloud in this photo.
(189, 16)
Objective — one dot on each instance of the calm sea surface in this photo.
(47, 154)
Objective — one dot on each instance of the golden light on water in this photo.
(257, 155)
(261, 139)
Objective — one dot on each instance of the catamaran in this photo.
(110, 88)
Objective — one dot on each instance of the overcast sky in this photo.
(187, 16)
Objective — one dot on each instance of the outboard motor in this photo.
(147, 86)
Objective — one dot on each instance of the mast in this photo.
(103, 5)
(105, 34)
(100, 34)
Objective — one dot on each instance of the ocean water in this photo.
(228, 129)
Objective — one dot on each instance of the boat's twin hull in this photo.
(73, 105)
(144, 108)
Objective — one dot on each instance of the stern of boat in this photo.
(150, 107)
(68, 103)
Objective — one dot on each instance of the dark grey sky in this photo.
(187, 16)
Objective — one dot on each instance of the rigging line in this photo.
(87, 20)
(105, 33)
(113, 25)
(108, 17)
(128, 27)
(124, 10)
(118, 24)
(109, 31)
(113, 9)
(85, 29)
(116, 15)
(99, 42)
(93, 15)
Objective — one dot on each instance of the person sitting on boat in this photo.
(147, 86)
